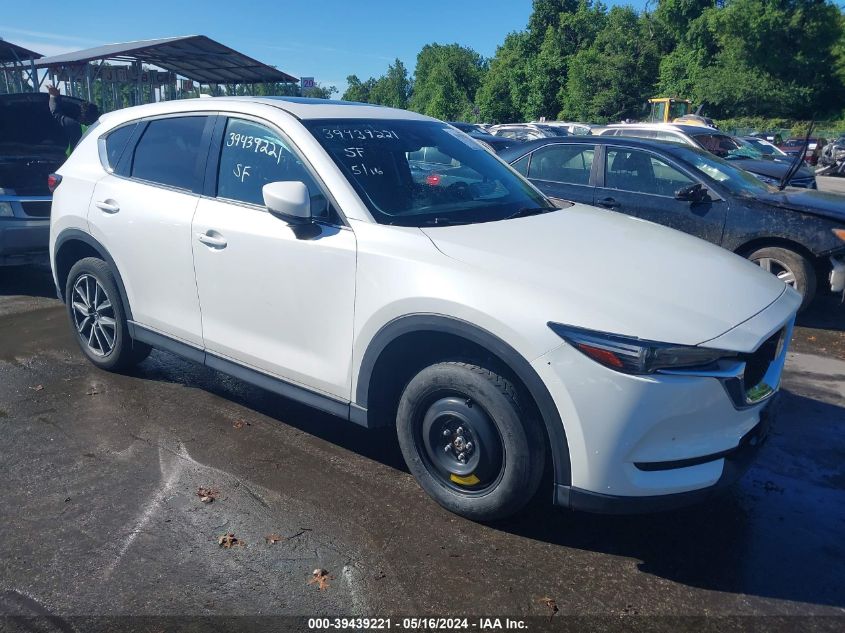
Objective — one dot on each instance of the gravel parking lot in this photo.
(101, 514)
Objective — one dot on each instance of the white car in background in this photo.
(293, 244)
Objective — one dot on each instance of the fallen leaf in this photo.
(37, 387)
(239, 424)
(230, 540)
(552, 606)
(92, 392)
(273, 538)
(320, 577)
(207, 495)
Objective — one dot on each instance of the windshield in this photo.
(423, 173)
(764, 146)
(730, 147)
(738, 181)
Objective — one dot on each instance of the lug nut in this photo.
(460, 430)
(447, 447)
(446, 432)
(462, 457)
(469, 447)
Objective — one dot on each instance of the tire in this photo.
(793, 268)
(98, 318)
(503, 444)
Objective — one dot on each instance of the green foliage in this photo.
(446, 80)
(577, 59)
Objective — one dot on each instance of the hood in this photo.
(614, 273)
(28, 129)
(821, 203)
(772, 168)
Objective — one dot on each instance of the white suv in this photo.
(301, 245)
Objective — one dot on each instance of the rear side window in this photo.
(168, 152)
(116, 143)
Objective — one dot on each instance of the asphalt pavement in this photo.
(101, 515)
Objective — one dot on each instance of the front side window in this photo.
(168, 152)
(569, 164)
(641, 172)
(253, 155)
(389, 163)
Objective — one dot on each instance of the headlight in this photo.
(766, 179)
(6, 210)
(636, 356)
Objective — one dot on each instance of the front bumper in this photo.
(734, 464)
(639, 443)
(837, 273)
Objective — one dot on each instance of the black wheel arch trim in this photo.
(514, 360)
(77, 235)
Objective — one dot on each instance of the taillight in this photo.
(433, 179)
(53, 181)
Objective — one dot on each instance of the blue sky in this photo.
(326, 39)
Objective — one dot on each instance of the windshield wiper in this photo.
(442, 221)
(799, 158)
(526, 211)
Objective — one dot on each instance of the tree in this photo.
(446, 80)
(501, 96)
(320, 92)
(356, 90)
(611, 78)
(392, 89)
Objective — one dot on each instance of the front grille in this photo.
(37, 208)
(757, 363)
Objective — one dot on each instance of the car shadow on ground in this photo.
(30, 281)
(773, 540)
(826, 312)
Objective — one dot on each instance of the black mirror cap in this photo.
(293, 220)
(692, 193)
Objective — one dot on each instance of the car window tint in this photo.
(563, 163)
(522, 165)
(168, 151)
(640, 172)
(116, 143)
(253, 155)
(663, 135)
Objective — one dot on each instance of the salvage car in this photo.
(796, 234)
(32, 146)
(484, 323)
(527, 131)
(765, 167)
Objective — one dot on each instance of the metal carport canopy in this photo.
(195, 57)
(12, 53)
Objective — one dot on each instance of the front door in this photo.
(642, 184)
(563, 171)
(274, 297)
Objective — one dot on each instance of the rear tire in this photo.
(98, 318)
(792, 268)
(470, 441)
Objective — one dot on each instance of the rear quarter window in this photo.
(168, 152)
(115, 142)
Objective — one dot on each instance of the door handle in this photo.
(608, 203)
(106, 206)
(215, 241)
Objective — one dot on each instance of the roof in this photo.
(10, 53)
(301, 108)
(519, 150)
(196, 57)
(680, 127)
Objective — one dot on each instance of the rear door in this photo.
(642, 184)
(564, 171)
(141, 211)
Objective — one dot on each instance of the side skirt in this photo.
(346, 410)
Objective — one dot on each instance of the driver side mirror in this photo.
(692, 193)
(288, 200)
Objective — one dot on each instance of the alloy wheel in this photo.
(93, 315)
(778, 269)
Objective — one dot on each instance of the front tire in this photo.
(470, 441)
(790, 267)
(98, 319)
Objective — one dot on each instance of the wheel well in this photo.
(68, 254)
(409, 353)
(778, 242)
